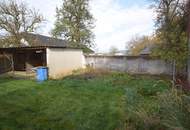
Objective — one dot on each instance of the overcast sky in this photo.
(117, 21)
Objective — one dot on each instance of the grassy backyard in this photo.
(91, 101)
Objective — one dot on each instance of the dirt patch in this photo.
(89, 74)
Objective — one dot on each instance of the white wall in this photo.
(130, 64)
(61, 62)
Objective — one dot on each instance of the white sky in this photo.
(116, 23)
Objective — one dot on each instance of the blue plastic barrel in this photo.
(42, 74)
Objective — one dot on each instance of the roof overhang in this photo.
(34, 48)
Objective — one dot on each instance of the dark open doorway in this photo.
(24, 59)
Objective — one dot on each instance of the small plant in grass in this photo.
(153, 90)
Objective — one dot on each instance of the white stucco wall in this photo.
(61, 62)
(133, 65)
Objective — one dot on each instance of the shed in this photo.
(45, 51)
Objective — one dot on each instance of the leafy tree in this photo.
(138, 43)
(74, 23)
(171, 31)
(15, 20)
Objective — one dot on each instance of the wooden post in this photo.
(27, 66)
(3, 63)
(12, 64)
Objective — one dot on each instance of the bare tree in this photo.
(17, 19)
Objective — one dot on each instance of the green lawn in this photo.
(104, 101)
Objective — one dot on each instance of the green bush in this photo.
(175, 110)
(141, 111)
(169, 110)
(152, 90)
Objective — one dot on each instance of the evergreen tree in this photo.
(74, 23)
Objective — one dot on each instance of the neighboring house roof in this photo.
(117, 53)
(123, 52)
(147, 50)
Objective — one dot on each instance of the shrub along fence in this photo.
(130, 64)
